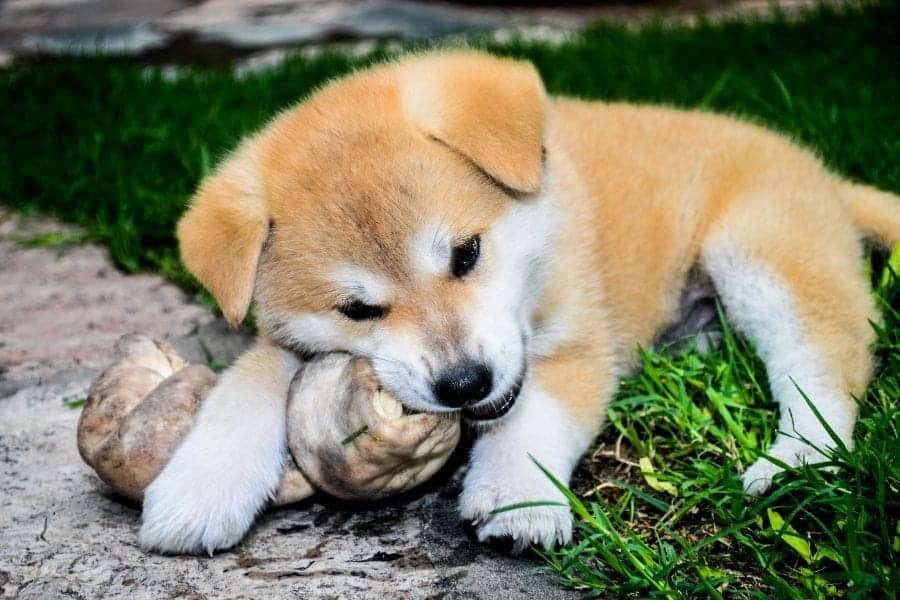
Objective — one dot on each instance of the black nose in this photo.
(463, 384)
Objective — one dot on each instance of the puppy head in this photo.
(397, 215)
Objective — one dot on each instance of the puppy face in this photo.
(394, 234)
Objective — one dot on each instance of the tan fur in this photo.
(650, 181)
(445, 96)
(874, 212)
(352, 173)
(222, 235)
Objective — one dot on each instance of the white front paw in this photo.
(229, 464)
(482, 500)
(190, 511)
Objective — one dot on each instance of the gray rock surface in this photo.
(172, 31)
(63, 533)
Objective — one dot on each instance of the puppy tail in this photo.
(874, 212)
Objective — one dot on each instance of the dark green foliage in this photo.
(685, 528)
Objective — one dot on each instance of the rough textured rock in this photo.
(65, 534)
(217, 30)
(64, 307)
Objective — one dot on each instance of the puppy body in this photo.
(587, 222)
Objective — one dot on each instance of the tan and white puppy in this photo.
(498, 252)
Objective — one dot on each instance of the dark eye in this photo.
(358, 310)
(465, 256)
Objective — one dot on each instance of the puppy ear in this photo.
(223, 231)
(489, 109)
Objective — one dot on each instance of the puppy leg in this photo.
(807, 310)
(230, 463)
(557, 416)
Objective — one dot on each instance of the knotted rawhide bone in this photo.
(347, 436)
(362, 445)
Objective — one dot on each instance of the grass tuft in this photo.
(684, 527)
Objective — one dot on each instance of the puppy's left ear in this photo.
(222, 234)
(490, 109)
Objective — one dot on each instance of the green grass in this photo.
(118, 148)
(660, 508)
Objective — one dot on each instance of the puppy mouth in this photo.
(407, 411)
(489, 411)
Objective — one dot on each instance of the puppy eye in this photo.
(357, 310)
(465, 256)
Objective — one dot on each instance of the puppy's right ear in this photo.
(223, 231)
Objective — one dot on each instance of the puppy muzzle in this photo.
(494, 409)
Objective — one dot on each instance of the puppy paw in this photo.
(757, 479)
(534, 525)
(188, 513)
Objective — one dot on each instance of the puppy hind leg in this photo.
(810, 325)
